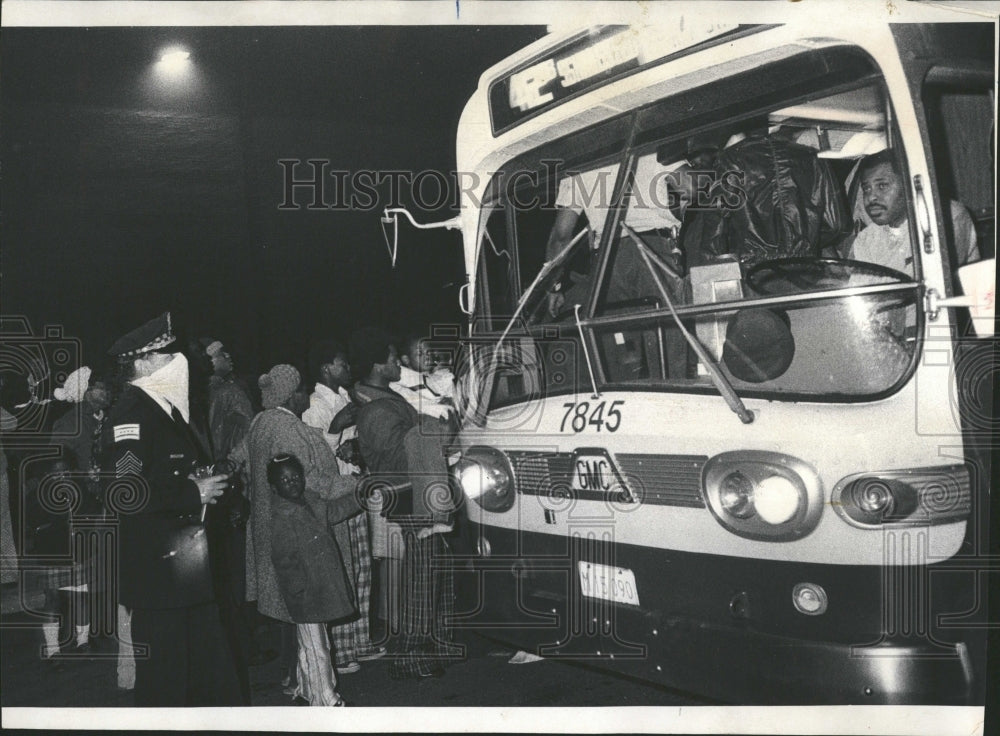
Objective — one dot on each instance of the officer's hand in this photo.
(556, 302)
(345, 418)
(212, 487)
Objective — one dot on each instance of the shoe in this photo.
(290, 689)
(339, 704)
(299, 701)
(376, 653)
(348, 668)
(84, 648)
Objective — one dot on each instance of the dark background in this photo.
(125, 194)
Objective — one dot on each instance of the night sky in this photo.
(125, 194)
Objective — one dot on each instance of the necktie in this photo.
(176, 416)
(185, 428)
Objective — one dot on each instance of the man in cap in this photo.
(158, 493)
(230, 409)
(229, 415)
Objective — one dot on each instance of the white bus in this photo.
(715, 441)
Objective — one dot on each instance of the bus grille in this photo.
(660, 480)
(542, 474)
(664, 480)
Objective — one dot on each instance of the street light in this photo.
(174, 61)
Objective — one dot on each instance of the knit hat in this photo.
(278, 385)
(212, 347)
(75, 386)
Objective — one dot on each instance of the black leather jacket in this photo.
(772, 199)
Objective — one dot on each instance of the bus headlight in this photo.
(777, 499)
(736, 495)
(910, 497)
(763, 495)
(485, 477)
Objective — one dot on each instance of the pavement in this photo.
(484, 678)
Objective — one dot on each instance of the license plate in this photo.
(608, 583)
(594, 477)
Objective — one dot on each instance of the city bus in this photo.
(729, 450)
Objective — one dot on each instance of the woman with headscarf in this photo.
(279, 430)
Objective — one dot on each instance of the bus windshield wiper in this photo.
(543, 272)
(722, 383)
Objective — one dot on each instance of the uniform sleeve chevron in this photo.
(128, 464)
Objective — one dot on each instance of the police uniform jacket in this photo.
(163, 552)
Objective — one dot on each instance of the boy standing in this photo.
(310, 575)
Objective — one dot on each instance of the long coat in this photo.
(310, 569)
(229, 415)
(151, 456)
(275, 432)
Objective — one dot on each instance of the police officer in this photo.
(158, 493)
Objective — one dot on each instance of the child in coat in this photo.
(310, 572)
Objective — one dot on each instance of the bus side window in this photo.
(497, 282)
(960, 119)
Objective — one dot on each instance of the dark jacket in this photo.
(81, 433)
(773, 199)
(307, 561)
(384, 418)
(162, 550)
(399, 446)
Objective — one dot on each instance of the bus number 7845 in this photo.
(601, 416)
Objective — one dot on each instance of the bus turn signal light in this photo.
(912, 497)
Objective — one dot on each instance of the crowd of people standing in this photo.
(315, 506)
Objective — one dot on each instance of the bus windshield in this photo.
(778, 237)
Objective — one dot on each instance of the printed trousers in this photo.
(353, 639)
(426, 608)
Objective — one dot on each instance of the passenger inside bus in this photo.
(589, 193)
(885, 239)
(776, 199)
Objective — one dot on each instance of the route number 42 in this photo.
(583, 414)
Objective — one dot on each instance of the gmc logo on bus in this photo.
(596, 477)
(593, 474)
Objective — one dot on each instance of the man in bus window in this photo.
(886, 241)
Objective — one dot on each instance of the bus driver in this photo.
(886, 240)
